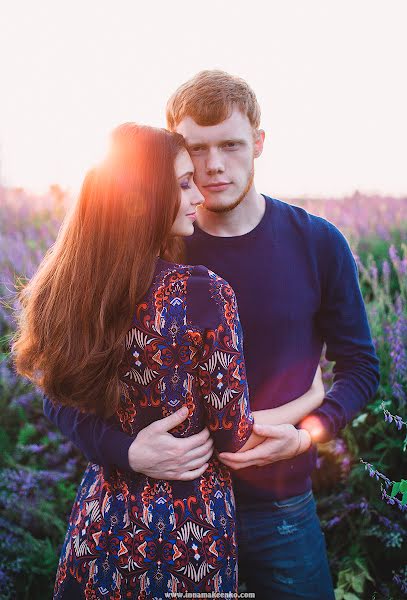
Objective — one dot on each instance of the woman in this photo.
(110, 324)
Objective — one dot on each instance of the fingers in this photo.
(171, 421)
(200, 451)
(189, 475)
(284, 430)
(195, 441)
(305, 440)
(238, 458)
(318, 377)
(186, 470)
(197, 462)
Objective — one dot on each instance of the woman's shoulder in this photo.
(209, 296)
(198, 276)
(201, 284)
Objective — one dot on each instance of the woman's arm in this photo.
(292, 413)
(221, 367)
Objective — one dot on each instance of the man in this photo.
(296, 285)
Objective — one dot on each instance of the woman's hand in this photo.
(317, 386)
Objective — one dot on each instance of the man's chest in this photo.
(276, 288)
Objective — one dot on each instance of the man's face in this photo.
(223, 157)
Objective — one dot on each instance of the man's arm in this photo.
(154, 451)
(100, 440)
(274, 436)
(344, 327)
(342, 322)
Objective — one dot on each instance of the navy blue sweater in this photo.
(297, 288)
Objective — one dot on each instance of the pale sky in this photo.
(330, 76)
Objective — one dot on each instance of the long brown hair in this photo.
(77, 308)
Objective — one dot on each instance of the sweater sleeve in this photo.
(221, 367)
(100, 440)
(344, 328)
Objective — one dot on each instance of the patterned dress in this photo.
(132, 536)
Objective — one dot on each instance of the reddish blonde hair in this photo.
(76, 310)
(209, 98)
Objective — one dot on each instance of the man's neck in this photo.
(242, 219)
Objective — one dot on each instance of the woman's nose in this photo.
(198, 198)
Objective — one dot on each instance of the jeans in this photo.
(282, 553)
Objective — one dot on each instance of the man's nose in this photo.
(214, 161)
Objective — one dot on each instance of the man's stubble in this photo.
(239, 199)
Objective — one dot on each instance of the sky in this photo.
(330, 76)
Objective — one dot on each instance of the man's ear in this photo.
(259, 136)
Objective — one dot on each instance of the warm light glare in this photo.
(329, 78)
(315, 428)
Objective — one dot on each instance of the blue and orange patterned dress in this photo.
(132, 536)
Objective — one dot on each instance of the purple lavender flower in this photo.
(34, 448)
(332, 522)
(393, 255)
(24, 400)
(400, 579)
(386, 276)
(397, 339)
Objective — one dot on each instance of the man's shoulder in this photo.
(298, 216)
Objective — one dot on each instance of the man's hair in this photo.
(209, 98)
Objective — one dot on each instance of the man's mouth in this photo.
(219, 186)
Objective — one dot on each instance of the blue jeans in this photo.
(282, 553)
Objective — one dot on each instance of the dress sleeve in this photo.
(217, 332)
(100, 440)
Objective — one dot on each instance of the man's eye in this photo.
(231, 145)
(195, 149)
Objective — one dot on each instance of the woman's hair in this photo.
(76, 310)
(209, 98)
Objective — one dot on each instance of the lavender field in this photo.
(359, 482)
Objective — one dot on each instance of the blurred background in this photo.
(330, 78)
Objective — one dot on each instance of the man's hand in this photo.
(160, 455)
(282, 442)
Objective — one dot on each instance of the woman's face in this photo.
(190, 198)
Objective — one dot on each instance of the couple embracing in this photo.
(176, 328)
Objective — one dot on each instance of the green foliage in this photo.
(378, 247)
(400, 487)
(26, 434)
(366, 538)
(35, 501)
(352, 579)
(32, 562)
(5, 442)
(358, 524)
